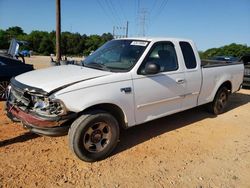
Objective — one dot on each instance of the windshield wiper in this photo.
(96, 66)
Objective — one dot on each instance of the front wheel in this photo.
(220, 101)
(93, 136)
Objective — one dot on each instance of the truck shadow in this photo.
(144, 132)
(21, 138)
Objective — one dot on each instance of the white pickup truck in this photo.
(125, 82)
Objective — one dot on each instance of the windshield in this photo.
(116, 55)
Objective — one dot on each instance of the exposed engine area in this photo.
(34, 102)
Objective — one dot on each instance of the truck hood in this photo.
(52, 78)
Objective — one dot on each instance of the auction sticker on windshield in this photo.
(139, 43)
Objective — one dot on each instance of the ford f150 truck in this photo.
(125, 82)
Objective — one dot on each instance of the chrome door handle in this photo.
(180, 81)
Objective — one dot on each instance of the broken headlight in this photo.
(47, 106)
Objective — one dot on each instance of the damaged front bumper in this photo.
(39, 125)
(18, 109)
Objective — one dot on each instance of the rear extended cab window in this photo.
(188, 55)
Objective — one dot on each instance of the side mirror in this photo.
(152, 68)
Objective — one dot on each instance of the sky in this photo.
(210, 23)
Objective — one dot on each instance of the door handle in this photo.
(126, 89)
(180, 81)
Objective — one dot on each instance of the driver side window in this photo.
(164, 55)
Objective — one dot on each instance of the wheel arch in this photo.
(226, 84)
(113, 109)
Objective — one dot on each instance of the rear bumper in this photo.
(55, 126)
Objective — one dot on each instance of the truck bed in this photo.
(215, 73)
(214, 63)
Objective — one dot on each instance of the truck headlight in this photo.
(47, 106)
(41, 104)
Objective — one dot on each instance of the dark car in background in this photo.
(11, 66)
(246, 80)
(225, 58)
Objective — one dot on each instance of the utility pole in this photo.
(120, 31)
(127, 30)
(142, 22)
(58, 30)
(114, 31)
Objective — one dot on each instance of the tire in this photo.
(3, 87)
(220, 101)
(93, 136)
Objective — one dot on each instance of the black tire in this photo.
(3, 86)
(220, 101)
(93, 136)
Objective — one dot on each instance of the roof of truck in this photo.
(155, 39)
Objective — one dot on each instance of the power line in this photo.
(113, 11)
(153, 6)
(138, 6)
(158, 11)
(161, 8)
(110, 17)
(121, 10)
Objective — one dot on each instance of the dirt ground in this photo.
(44, 61)
(188, 149)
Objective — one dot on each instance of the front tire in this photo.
(93, 136)
(220, 101)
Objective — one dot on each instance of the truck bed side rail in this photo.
(214, 63)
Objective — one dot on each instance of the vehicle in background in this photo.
(225, 58)
(124, 83)
(25, 53)
(11, 66)
(246, 80)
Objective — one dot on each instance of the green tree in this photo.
(14, 32)
(46, 46)
(35, 38)
(106, 37)
(92, 43)
(236, 50)
(4, 41)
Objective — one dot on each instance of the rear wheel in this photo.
(3, 87)
(93, 136)
(220, 101)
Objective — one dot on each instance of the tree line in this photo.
(43, 42)
(235, 50)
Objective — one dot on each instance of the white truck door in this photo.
(192, 74)
(163, 93)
